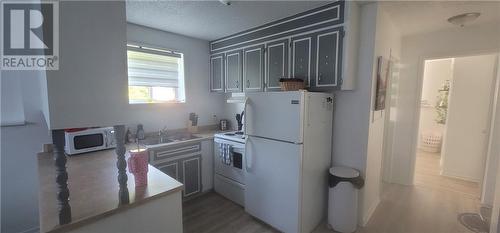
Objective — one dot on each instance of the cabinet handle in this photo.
(237, 84)
(248, 83)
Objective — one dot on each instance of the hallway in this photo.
(427, 174)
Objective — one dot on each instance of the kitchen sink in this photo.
(157, 140)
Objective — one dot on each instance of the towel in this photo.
(225, 152)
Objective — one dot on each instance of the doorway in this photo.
(454, 123)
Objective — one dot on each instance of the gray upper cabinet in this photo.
(301, 58)
(217, 73)
(276, 63)
(253, 68)
(328, 56)
(234, 71)
(311, 45)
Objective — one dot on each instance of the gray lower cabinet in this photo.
(234, 71)
(253, 68)
(217, 73)
(276, 63)
(171, 169)
(301, 50)
(328, 56)
(182, 162)
(191, 175)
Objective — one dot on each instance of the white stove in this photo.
(229, 177)
(236, 136)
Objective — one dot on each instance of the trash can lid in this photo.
(344, 172)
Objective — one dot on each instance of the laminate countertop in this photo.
(93, 188)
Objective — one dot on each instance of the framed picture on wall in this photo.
(383, 71)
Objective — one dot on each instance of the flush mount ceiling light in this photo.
(464, 19)
(225, 2)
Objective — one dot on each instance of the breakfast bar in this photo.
(94, 197)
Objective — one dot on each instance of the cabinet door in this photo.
(301, 58)
(328, 55)
(171, 169)
(277, 64)
(217, 73)
(234, 71)
(191, 175)
(253, 68)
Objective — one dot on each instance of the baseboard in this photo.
(457, 176)
(32, 230)
(370, 212)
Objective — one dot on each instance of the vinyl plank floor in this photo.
(430, 206)
(427, 174)
(212, 213)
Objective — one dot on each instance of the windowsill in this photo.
(157, 102)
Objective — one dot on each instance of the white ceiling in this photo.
(415, 17)
(211, 20)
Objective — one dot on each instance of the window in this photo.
(154, 75)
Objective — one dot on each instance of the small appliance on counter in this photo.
(224, 125)
(140, 132)
(193, 123)
(87, 140)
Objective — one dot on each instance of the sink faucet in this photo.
(162, 132)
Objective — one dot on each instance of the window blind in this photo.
(153, 68)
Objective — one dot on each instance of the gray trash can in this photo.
(343, 184)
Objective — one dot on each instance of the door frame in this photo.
(416, 120)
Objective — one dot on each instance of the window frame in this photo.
(180, 95)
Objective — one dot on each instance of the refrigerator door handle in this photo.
(247, 167)
(246, 116)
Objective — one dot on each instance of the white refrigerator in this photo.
(288, 153)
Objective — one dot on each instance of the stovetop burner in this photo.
(235, 136)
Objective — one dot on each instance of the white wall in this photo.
(12, 102)
(469, 40)
(468, 121)
(436, 72)
(18, 149)
(358, 131)
(198, 97)
(90, 87)
(387, 44)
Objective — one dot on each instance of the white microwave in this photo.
(89, 140)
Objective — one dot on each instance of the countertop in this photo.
(93, 187)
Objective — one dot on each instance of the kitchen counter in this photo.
(93, 188)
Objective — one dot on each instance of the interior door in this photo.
(253, 68)
(275, 115)
(277, 64)
(272, 182)
(468, 118)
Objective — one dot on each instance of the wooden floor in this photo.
(214, 213)
(431, 206)
(427, 171)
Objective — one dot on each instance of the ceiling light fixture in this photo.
(464, 19)
(225, 2)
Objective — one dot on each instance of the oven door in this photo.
(85, 141)
(234, 171)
